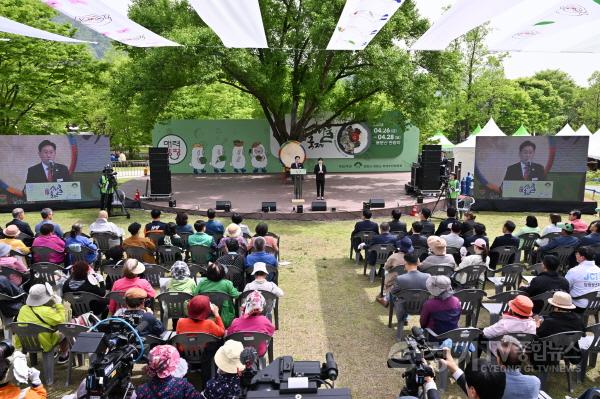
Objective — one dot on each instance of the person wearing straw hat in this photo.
(11, 262)
(227, 383)
(518, 319)
(233, 231)
(132, 268)
(138, 315)
(166, 371)
(442, 312)
(561, 318)
(438, 256)
(11, 233)
(253, 320)
(260, 282)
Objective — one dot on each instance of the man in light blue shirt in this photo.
(259, 255)
(46, 214)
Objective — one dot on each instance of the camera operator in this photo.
(430, 389)
(107, 184)
(14, 365)
(227, 383)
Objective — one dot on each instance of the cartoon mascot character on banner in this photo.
(259, 158)
(198, 161)
(238, 158)
(218, 159)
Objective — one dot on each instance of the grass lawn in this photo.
(328, 305)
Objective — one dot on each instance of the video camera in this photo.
(109, 171)
(115, 348)
(286, 378)
(415, 358)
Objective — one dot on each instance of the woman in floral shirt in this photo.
(226, 384)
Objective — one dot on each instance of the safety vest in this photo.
(104, 185)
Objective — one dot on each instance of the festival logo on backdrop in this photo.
(177, 148)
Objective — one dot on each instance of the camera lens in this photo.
(6, 349)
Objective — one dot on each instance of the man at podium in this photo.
(297, 184)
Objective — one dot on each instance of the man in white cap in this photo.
(260, 282)
(226, 383)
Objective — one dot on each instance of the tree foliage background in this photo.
(295, 84)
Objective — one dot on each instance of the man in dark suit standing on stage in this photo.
(525, 169)
(47, 171)
(320, 172)
(297, 187)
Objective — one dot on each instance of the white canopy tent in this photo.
(567, 130)
(465, 151)
(583, 131)
(594, 147)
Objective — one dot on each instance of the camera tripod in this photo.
(444, 191)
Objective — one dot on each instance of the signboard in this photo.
(527, 189)
(297, 171)
(58, 191)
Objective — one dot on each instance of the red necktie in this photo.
(50, 176)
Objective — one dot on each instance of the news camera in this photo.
(286, 378)
(414, 358)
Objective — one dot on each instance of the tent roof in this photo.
(583, 131)
(476, 130)
(440, 138)
(490, 129)
(594, 146)
(567, 130)
(521, 131)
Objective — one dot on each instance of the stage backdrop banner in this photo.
(531, 168)
(40, 169)
(247, 146)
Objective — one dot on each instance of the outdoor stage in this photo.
(345, 192)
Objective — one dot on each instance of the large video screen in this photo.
(51, 169)
(531, 168)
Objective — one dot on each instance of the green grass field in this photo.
(328, 305)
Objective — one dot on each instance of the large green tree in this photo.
(38, 78)
(590, 110)
(298, 85)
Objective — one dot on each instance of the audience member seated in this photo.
(171, 238)
(518, 319)
(395, 223)
(132, 268)
(213, 226)
(199, 311)
(365, 225)
(565, 239)
(481, 256)
(138, 315)
(394, 260)
(261, 283)
(18, 220)
(48, 239)
(509, 356)
(238, 219)
(10, 308)
(417, 239)
(115, 256)
(547, 280)
(234, 232)
(553, 227)
(531, 226)
(137, 240)
(181, 220)
(444, 227)
(83, 279)
(215, 281)
(201, 238)
(259, 254)
(75, 241)
(437, 247)
(453, 239)
(252, 320)
(480, 380)
(384, 238)
(47, 216)
(227, 383)
(428, 225)
(591, 239)
(478, 233)
(181, 279)
(562, 318)
(583, 278)
(102, 225)
(166, 371)
(468, 224)
(156, 224)
(10, 238)
(232, 257)
(442, 312)
(505, 240)
(44, 308)
(412, 279)
(262, 230)
(11, 262)
(579, 226)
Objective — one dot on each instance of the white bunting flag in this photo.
(17, 28)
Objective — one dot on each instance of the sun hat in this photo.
(233, 231)
(39, 294)
(439, 286)
(163, 361)
(406, 246)
(566, 227)
(11, 231)
(136, 293)
(134, 266)
(561, 300)
(227, 357)
(254, 303)
(4, 249)
(180, 270)
(260, 267)
(521, 305)
(480, 242)
(199, 307)
(437, 245)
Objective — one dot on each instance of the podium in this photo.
(297, 177)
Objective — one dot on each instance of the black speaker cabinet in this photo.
(223, 206)
(160, 175)
(377, 203)
(268, 206)
(318, 206)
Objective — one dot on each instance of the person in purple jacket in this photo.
(442, 312)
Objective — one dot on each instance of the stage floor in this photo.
(345, 192)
